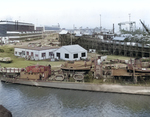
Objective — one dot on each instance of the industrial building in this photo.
(14, 30)
(9, 26)
(117, 45)
(69, 53)
(35, 53)
(48, 28)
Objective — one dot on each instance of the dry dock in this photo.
(136, 90)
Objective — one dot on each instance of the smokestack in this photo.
(113, 29)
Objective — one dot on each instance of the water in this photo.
(28, 101)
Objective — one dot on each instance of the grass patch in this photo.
(111, 57)
(21, 62)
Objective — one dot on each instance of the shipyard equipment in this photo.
(147, 30)
(100, 69)
(77, 69)
(5, 59)
(36, 72)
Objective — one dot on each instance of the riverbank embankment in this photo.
(110, 88)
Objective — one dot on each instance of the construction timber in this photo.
(131, 49)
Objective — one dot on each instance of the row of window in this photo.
(74, 55)
(42, 55)
(52, 54)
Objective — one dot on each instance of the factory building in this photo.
(12, 31)
(71, 52)
(68, 53)
(11, 26)
(48, 28)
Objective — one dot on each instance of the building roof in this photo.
(119, 38)
(63, 32)
(77, 33)
(16, 23)
(37, 48)
(74, 48)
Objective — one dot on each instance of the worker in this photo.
(99, 60)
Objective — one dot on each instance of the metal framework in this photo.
(112, 47)
(131, 24)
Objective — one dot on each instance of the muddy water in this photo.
(28, 101)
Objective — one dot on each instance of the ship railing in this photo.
(10, 70)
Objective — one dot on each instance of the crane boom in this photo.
(147, 30)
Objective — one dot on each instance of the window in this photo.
(16, 52)
(23, 52)
(75, 56)
(27, 53)
(43, 54)
(31, 53)
(36, 55)
(83, 54)
(66, 55)
(51, 54)
(58, 55)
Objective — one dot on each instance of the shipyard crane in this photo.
(147, 30)
(131, 23)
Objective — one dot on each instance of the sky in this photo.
(76, 13)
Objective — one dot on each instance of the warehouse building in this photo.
(11, 31)
(9, 26)
(71, 53)
(35, 53)
(68, 53)
(48, 28)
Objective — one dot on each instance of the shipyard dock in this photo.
(108, 46)
(111, 88)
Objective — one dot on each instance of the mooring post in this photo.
(135, 79)
(134, 76)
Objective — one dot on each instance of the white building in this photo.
(71, 52)
(35, 53)
(4, 40)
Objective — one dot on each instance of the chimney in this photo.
(113, 29)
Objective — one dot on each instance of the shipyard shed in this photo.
(63, 32)
(71, 53)
(35, 53)
(11, 26)
(119, 38)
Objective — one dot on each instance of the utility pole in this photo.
(100, 24)
(71, 34)
(130, 24)
(129, 16)
(71, 38)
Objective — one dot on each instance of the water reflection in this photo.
(27, 101)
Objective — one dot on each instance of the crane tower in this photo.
(132, 25)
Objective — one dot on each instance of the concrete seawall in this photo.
(139, 90)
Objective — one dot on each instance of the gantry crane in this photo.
(131, 23)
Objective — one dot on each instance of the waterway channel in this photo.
(29, 101)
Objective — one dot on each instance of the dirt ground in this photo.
(46, 41)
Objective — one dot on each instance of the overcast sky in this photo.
(85, 13)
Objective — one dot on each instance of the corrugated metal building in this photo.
(71, 52)
(6, 26)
